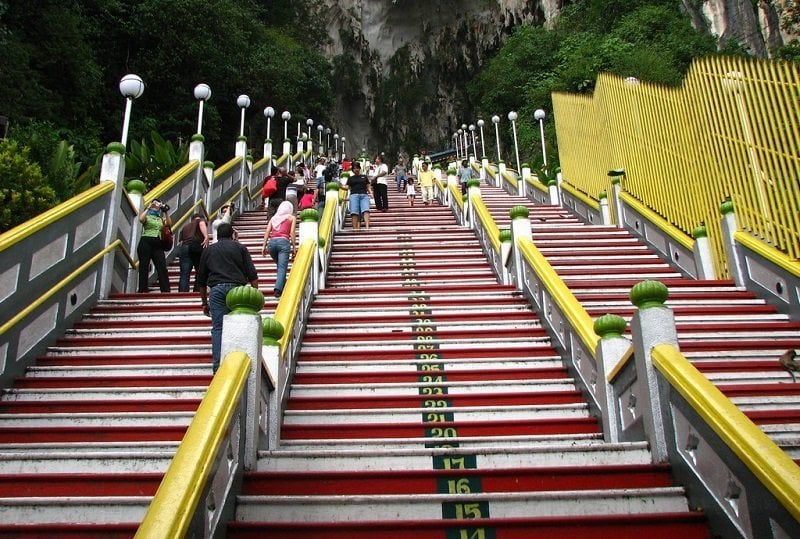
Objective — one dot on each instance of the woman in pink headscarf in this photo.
(279, 241)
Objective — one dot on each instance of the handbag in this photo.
(167, 238)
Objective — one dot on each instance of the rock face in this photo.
(390, 53)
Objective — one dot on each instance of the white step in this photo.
(86, 458)
(100, 393)
(429, 506)
(367, 367)
(475, 443)
(451, 388)
(415, 416)
(119, 370)
(113, 419)
(510, 454)
(442, 344)
(69, 510)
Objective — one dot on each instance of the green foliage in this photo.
(153, 164)
(23, 191)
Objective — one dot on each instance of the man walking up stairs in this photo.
(429, 402)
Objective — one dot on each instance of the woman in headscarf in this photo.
(279, 241)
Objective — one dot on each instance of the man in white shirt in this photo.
(381, 185)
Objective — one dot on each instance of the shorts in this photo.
(359, 203)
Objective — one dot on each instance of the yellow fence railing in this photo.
(732, 130)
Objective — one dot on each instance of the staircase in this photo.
(729, 334)
(429, 402)
(87, 434)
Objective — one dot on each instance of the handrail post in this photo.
(520, 228)
(271, 353)
(605, 211)
(112, 168)
(242, 331)
(611, 349)
(309, 230)
(702, 253)
(197, 153)
(729, 228)
(136, 195)
(652, 323)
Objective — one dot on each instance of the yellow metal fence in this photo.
(732, 130)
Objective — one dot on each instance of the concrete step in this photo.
(503, 505)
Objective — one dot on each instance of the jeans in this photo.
(401, 182)
(279, 250)
(218, 309)
(188, 260)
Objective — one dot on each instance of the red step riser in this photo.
(699, 295)
(778, 344)
(679, 310)
(524, 352)
(661, 526)
(33, 435)
(453, 287)
(773, 417)
(196, 340)
(43, 382)
(426, 482)
(69, 531)
(777, 389)
(413, 377)
(439, 335)
(463, 429)
(43, 485)
(150, 322)
(440, 318)
(455, 401)
(100, 360)
(97, 406)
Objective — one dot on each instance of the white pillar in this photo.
(702, 253)
(729, 228)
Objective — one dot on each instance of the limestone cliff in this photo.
(401, 59)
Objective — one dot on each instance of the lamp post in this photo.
(336, 145)
(463, 130)
(461, 141)
(269, 112)
(539, 114)
(328, 141)
(496, 121)
(455, 139)
(512, 116)
(343, 154)
(243, 102)
(481, 123)
(320, 129)
(202, 92)
(474, 146)
(130, 86)
(286, 115)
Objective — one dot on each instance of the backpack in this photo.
(270, 187)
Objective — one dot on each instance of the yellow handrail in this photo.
(768, 462)
(561, 294)
(171, 510)
(488, 222)
(170, 182)
(31, 226)
(63, 283)
(293, 292)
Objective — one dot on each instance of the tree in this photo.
(23, 192)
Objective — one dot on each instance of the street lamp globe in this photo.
(496, 119)
(512, 116)
(269, 112)
(539, 114)
(243, 101)
(131, 86)
(286, 115)
(202, 92)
